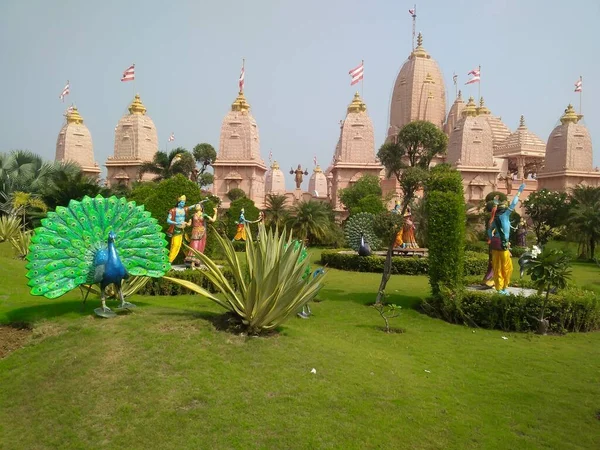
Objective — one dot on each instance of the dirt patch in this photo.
(13, 337)
(392, 330)
(231, 323)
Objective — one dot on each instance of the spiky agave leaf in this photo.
(276, 286)
(63, 249)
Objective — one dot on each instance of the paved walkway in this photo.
(511, 290)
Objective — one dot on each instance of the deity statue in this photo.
(488, 278)
(198, 234)
(177, 223)
(507, 182)
(240, 234)
(522, 234)
(298, 178)
(406, 236)
(499, 234)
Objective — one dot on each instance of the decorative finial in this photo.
(522, 121)
(482, 109)
(459, 95)
(570, 116)
(240, 103)
(419, 40)
(275, 165)
(137, 107)
(470, 108)
(357, 105)
(481, 102)
(420, 51)
(74, 117)
(318, 169)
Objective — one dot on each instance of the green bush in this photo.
(569, 310)
(446, 223)
(475, 263)
(477, 246)
(233, 214)
(160, 286)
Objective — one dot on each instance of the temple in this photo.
(74, 144)
(136, 142)
(239, 164)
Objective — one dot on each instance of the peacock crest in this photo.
(73, 244)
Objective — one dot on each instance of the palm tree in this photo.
(310, 220)
(584, 217)
(277, 212)
(165, 165)
(23, 204)
(65, 186)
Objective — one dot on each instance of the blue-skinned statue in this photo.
(499, 234)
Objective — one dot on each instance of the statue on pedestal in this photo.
(298, 175)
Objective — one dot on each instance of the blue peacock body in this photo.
(95, 240)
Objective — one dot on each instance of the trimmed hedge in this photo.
(475, 263)
(160, 286)
(482, 247)
(569, 310)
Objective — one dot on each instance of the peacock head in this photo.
(111, 236)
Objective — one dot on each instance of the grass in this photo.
(164, 377)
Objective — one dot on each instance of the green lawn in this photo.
(164, 377)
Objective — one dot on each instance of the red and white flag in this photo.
(578, 85)
(129, 74)
(172, 137)
(65, 91)
(357, 73)
(241, 82)
(476, 73)
(315, 160)
(270, 156)
(412, 12)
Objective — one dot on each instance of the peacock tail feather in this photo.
(63, 250)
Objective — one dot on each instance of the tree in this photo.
(547, 210)
(310, 221)
(235, 193)
(550, 270)
(67, 186)
(205, 155)
(584, 217)
(163, 165)
(277, 212)
(353, 197)
(25, 204)
(233, 214)
(408, 159)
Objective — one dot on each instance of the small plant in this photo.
(20, 243)
(9, 227)
(387, 312)
(551, 270)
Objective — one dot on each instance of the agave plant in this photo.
(273, 285)
(9, 227)
(20, 243)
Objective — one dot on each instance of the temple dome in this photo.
(569, 145)
(135, 135)
(499, 129)
(522, 141)
(74, 143)
(357, 137)
(317, 185)
(454, 114)
(239, 134)
(275, 180)
(419, 92)
(471, 143)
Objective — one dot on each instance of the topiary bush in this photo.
(570, 310)
(361, 223)
(475, 263)
(233, 214)
(445, 211)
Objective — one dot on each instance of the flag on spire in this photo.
(578, 85)
(412, 12)
(241, 82)
(65, 91)
(476, 73)
(270, 155)
(315, 160)
(129, 74)
(172, 137)
(357, 74)
(455, 79)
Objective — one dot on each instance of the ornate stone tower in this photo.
(74, 143)
(454, 115)
(499, 130)
(470, 150)
(524, 151)
(317, 185)
(238, 163)
(275, 180)
(569, 159)
(419, 92)
(136, 142)
(355, 151)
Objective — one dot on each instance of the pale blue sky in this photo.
(188, 57)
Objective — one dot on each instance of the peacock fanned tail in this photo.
(62, 251)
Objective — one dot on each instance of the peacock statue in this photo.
(95, 241)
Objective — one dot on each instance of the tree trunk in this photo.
(543, 324)
(592, 247)
(387, 271)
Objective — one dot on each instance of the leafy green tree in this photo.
(142, 191)
(548, 210)
(163, 165)
(310, 221)
(25, 204)
(550, 270)
(277, 212)
(584, 217)
(408, 158)
(205, 155)
(367, 185)
(235, 193)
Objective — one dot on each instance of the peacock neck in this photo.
(112, 251)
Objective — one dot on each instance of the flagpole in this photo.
(133, 80)
(414, 17)
(243, 70)
(580, 91)
(479, 84)
(362, 81)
